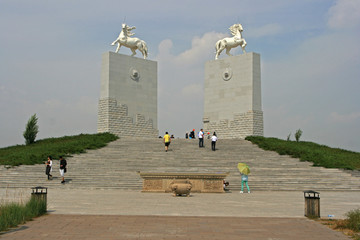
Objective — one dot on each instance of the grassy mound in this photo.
(320, 155)
(38, 152)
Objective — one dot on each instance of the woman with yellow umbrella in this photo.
(244, 172)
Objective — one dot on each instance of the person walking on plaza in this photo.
(244, 179)
(201, 138)
(167, 141)
(63, 164)
(213, 141)
(49, 167)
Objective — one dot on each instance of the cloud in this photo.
(309, 86)
(201, 48)
(265, 30)
(181, 78)
(344, 118)
(344, 14)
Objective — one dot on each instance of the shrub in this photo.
(64, 146)
(31, 130)
(353, 220)
(320, 155)
(298, 134)
(13, 214)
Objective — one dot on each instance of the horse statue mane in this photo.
(234, 28)
(127, 30)
(228, 43)
(126, 40)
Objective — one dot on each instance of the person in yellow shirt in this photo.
(167, 141)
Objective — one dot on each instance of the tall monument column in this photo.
(128, 95)
(232, 91)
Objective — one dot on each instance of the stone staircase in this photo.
(116, 166)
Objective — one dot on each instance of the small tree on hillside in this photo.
(31, 130)
(288, 137)
(298, 134)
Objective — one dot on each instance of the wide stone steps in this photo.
(117, 165)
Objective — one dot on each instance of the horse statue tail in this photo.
(217, 46)
(144, 49)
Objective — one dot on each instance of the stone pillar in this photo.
(128, 96)
(232, 97)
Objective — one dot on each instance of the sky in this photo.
(50, 62)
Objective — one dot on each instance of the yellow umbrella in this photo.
(243, 168)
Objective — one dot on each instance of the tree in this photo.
(298, 134)
(288, 137)
(31, 130)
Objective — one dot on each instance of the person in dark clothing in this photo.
(213, 141)
(63, 164)
(192, 134)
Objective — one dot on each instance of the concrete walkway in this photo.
(118, 214)
(99, 227)
(231, 204)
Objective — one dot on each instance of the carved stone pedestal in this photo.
(200, 182)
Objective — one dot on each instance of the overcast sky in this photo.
(50, 62)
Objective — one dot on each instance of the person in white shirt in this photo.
(49, 167)
(201, 138)
(213, 141)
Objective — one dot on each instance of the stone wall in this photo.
(114, 118)
(243, 125)
(232, 96)
(128, 96)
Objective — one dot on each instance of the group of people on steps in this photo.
(214, 138)
(167, 141)
(62, 169)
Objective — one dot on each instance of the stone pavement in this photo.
(119, 214)
(96, 227)
(230, 204)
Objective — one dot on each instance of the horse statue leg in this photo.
(118, 47)
(133, 51)
(243, 45)
(113, 43)
(228, 51)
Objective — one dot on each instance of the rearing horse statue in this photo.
(126, 40)
(229, 43)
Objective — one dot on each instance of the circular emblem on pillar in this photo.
(227, 74)
(134, 74)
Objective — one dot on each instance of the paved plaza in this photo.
(95, 227)
(119, 214)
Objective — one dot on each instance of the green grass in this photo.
(319, 155)
(38, 152)
(13, 214)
